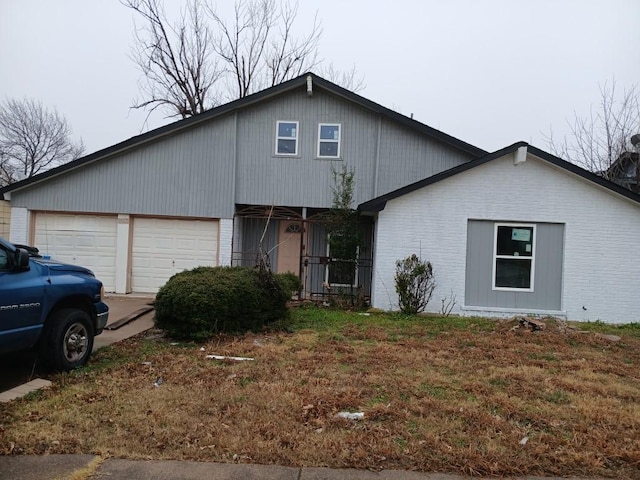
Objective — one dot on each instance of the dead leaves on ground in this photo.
(458, 400)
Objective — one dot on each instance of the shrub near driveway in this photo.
(438, 394)
(200, 303)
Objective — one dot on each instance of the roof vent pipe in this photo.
(309, 85)
(521, 155)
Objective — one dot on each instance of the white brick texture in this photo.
(19, 225)
(601, 269)
(225, 245)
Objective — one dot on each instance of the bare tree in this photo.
(32, 140)
(259, 47)
(599, 140)
(205, 59)
(178, 67)
(349, 79)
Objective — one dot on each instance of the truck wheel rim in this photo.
(75, 342)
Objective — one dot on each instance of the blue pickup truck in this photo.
(52, 307)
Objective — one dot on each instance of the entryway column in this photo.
(122, 254)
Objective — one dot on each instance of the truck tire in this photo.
(67, 340)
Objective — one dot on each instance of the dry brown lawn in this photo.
(438, 394)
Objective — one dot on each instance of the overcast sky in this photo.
(488, 72)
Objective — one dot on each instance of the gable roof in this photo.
(378, 204)
(241, 103)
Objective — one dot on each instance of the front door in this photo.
(289, 241)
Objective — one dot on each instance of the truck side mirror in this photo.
(20, 260)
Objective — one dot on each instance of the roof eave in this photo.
(249, 100)
(378, 204)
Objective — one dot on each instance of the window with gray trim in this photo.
(287, 137)
(514, 257)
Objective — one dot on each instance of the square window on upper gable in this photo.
(287, 136)
(329, 140)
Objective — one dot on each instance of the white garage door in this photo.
(163, 247)
(87, 240)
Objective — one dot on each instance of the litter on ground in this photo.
(224, 357)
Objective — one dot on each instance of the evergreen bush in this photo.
(289, 282)
(414, 284)
(200, 303)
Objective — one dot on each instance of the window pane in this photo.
(515, 241)
(342, 273)
(287, 129)
(328, 149)
(512, 273)
(287, 146)
(329, 132)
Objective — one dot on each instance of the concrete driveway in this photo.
(20, 373)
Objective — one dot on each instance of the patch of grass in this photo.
(438, 394)
(499, 382)
(435, 391)
(557, 396)
(628, 329)
(548, 357)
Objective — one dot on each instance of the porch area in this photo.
(294, 239)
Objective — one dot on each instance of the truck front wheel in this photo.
(68, 340)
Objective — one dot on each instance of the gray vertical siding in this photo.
(203, 170)
(252, 230)
(406, 157)
(189, 173)
(383, 155)
(316, 251)
(547, 294)
(304, 180)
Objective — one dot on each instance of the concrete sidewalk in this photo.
(63, 467)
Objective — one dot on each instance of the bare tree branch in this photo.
(599, 140)
(256, 48)
(348, 79)
(32, 140)
(259, 46)
(176, 61)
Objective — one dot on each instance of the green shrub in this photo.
(414, 284)
(289, 282)
(197, 304)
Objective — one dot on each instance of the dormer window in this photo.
(287, 138)
(329, 140)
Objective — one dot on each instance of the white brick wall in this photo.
(5, 219)
(225, 245)
(601, 270)
(19, 225)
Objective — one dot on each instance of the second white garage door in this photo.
(162, 247)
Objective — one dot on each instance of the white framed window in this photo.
(287, 133)
(329, 140)
(339, 272)
(514, 248)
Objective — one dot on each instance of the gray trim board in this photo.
(549, 253)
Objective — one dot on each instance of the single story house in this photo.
(517, 231)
